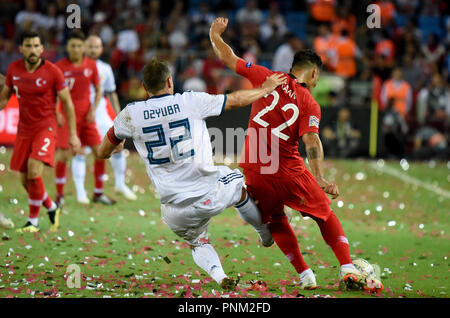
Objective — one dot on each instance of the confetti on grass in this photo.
(161, 266)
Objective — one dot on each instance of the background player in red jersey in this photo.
(274, 170)
(36, 83)
(80, 72)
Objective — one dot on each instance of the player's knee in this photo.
(63, 155)
(243, 195)
(278, 221)
(34, 169)
(279, 217)
(23, 180)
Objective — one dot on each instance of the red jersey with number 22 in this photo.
(36, 93)
(277, 122)
(79, 78)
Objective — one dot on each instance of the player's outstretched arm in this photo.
(107, 147)
(314, 153)
(222, 50)
(90, 116)
(245, 97)
(66, 100)
(114, 99)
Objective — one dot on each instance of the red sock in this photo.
(46, 201)
(99, 172)
(36, 192)
(286, 240)
(334, 236)
(60, 178)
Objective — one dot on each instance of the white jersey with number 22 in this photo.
(170, 134)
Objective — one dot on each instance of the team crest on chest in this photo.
(87, 72)
(40, 82)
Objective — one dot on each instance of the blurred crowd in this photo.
(402, 64)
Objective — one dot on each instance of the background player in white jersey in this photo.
(94, 49)
(170, 134)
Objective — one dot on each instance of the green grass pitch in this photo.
(126, 251)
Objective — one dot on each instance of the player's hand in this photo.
(273, 81)
(74, 143)
(119, 147)
(329, 187)
(60, 119)
(218, 26)
(90, 116)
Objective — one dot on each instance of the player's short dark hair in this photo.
(28, 35)
(155, 74)
(76, 34)
(306, 58)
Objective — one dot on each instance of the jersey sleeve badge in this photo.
(313, 121)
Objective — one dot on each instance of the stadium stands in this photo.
(159, 26)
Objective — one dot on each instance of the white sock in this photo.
(119, 165)
(205, 256)
(306, 272)
(33, 221)
(249, 212)
(79, 173)
(348, 266)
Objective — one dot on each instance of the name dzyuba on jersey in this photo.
(161, 112)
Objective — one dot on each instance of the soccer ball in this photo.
(365, 267)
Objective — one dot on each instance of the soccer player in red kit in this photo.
(274, 170)
(36, 83)
(80, 72)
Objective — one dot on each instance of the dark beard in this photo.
(29, 61)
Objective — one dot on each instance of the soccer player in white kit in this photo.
(170, 134)
(94, 49)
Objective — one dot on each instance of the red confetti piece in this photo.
(358, 251)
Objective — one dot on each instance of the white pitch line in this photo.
(404, 177)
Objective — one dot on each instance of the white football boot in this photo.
(126, 192)
(82, 198)
(353, 279)
(308, 280)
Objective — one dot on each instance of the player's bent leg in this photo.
(117, 160)
(287, 241)
(24, 180)
(78, 174)
(249, 213)
(350, 277)
(35, 168)
(333, 234)
(185, 223)
(99, 175)
(38, 195)
(206, 257)
(36, 191)
(119, 165)
(62, 157)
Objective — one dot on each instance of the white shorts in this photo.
(191, 222)
(102, 118)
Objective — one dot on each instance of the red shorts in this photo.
(88, 134)
(299, 192)
(41, 147)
